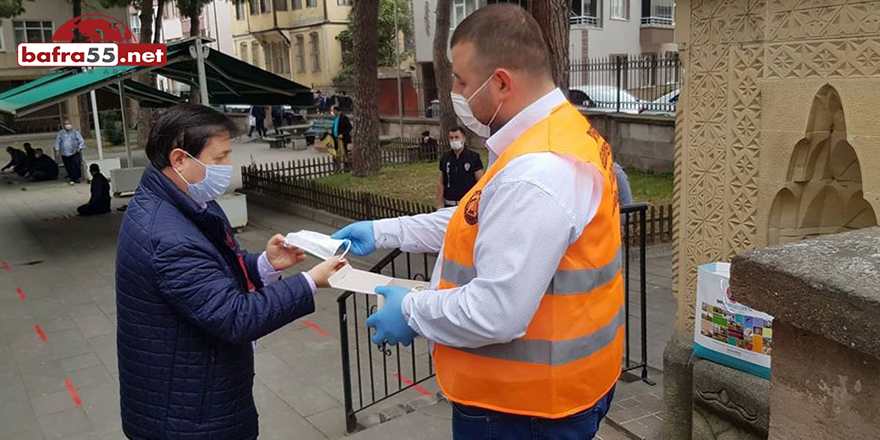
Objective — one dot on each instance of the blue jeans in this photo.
(471, 423)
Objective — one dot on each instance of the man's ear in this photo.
(505, 81)
(176, 157)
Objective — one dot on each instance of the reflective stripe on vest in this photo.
(564, 282)
(538, 351)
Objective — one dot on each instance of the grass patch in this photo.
(418, 183)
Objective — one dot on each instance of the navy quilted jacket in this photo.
(186, 318)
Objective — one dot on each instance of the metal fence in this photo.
(644, 84)
(373, 374)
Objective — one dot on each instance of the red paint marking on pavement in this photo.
(5, 266)
(21, 293)
(316, 328)
(74, 395)
(41, 333)
(409, 382)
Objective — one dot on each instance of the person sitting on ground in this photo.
(99, 203)
(18, 161)
(460, 169)
(31, 156)
(45, 168)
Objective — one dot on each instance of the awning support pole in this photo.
(97, 125)
(124, 124)
(200, 62)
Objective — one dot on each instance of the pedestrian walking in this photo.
(69, 144)
(341, 135)
(277, 118)
(525, 308)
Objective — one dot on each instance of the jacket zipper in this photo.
(206, 395)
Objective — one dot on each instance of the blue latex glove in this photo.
(389, 323)
(360, 234)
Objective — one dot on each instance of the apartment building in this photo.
(295, 39)
(37, 24)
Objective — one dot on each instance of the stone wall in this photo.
(775, 133)
(638, 141)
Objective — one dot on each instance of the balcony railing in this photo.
(585, 20)
(658, 21)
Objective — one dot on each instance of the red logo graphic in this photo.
(92, 40)
(93, 28)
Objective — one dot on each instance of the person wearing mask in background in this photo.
(526, 305)
(17, 161)
(99, 202)
(427, 146)
(190, 300)
(45, 168)
(69, 144)
(277, 118)
(460, 169)
(341, 134)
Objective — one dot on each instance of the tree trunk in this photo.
(195, 23)
(145, 117)
(553, 17)
(83, 102)
(365, 148)
(77, 8)
(157, 33)
(443, 68)
(146, 7)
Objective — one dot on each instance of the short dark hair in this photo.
(426, 133)
(458, 129)
(336, 107)
(188, 127)
(27, 144)
(505, 36)
(38, 150)
(94, 168)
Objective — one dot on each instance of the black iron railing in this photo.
(372, 375)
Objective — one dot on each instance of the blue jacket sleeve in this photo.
(193, 281)
(250, 262)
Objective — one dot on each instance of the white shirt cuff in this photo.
(387, 233)
(311, 282)
(268, 274)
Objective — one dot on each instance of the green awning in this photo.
(230, 81)
(145, 95)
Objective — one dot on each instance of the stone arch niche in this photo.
(823, 189)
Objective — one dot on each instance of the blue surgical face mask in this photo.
(215, 183)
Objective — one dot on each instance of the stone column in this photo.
(824, 295)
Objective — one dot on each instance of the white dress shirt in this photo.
(529, 214)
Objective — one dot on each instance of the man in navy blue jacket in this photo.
(190, 301)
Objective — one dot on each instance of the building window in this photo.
(284, 52)
(315, 52)
(585, 13)
(255, 54)
(239, 11)
(2, 47)
(242, 52)
(297, 4)
(253, 6)
(134, 24)
(280, 5)
(659, 13)
(343, 2)
(277, 58)
(649, 67)
(264, 7)
(312, 3)
(300, 54)
(32, 31)
(461, 9)
(620, 9)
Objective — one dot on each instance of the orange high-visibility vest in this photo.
(571, 353)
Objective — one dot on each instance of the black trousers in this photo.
(73, 166)
(40, 176)
(86, 210)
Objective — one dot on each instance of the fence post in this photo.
(367, 200)
(618, 69)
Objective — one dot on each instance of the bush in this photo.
(111, 128)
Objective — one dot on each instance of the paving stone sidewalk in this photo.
(58, 366)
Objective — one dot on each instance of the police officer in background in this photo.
(460, 169)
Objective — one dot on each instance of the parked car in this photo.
(664, 105)
(604, 98)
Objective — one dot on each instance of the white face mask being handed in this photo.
(462, 108)
(456, 145)
(317, 244)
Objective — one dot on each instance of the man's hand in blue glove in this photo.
(360, 234)
(390, 325)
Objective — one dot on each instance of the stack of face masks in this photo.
(317, 244)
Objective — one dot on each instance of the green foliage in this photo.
(11, 8)
(111, 128)
(387, 54)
